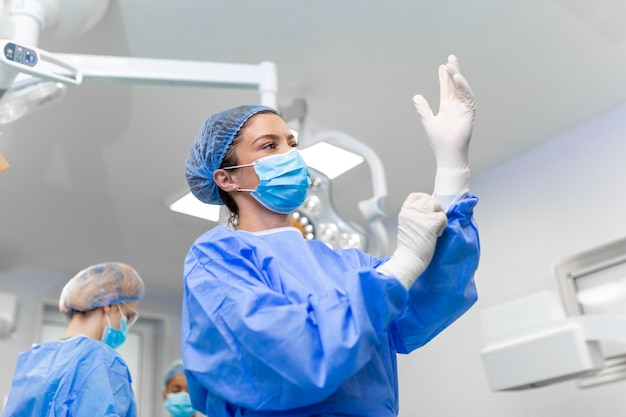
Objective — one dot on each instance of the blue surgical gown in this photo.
(77, 377)
(274, 325)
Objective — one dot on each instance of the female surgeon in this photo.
(82, 375)
(274, 325)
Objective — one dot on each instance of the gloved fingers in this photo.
(460, 85)
(414, 198)
(464, 91)
(422, 201)
(422, 107)
(454, 61)
(446, 88)
(442, 221)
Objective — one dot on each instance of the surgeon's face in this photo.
(263, 134)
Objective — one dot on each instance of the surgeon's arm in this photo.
(446, 289)
(449, 132)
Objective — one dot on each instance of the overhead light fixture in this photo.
(191, 206)
(329, 159)
(317, 219)
(26, 94)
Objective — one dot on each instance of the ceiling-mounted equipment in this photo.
(317, 218)
(373, 209)
(31, 78)
(530, 342)
(21, 57)
(24, 20)
(73, 69)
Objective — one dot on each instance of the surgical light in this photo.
(330, 159)
(317, 219)
(30, 79)
(191, 206)
(28, 93)
(18, 58)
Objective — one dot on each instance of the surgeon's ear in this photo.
(224, 180)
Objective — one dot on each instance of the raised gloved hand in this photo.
(420, 222)
(450, 130)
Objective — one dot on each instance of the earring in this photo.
(234, 187)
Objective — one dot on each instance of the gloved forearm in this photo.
(451, 185)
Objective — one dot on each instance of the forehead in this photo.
(262, 124)
(177, 381)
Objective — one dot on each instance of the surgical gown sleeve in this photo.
(446, 289)
(274, 323)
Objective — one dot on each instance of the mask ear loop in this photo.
(235, 188)
(106, 317)
(121, 313)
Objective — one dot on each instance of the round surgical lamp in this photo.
(317, 218)
(29, 93)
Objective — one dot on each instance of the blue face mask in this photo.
(284, 181)
(179, 404)
(114, 337)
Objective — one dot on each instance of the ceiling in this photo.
(91, 176)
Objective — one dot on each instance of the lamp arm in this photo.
(151, 71)
(377, 205)
(374, 209)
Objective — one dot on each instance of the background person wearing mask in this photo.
(176, 396)
(82, 375)
(274, 325)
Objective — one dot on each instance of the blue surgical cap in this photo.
(210, 146)
(101, 285)
(175, 368)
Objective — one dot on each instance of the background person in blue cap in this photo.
(175, 395)
(274, 325)
(82, 374)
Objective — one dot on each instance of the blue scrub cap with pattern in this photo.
(101, 285)
(210, 146)
(175, 368)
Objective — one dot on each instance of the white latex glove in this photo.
(420, 222)
(449, 131)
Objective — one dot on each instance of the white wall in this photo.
(560, 199)
(32, 287)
